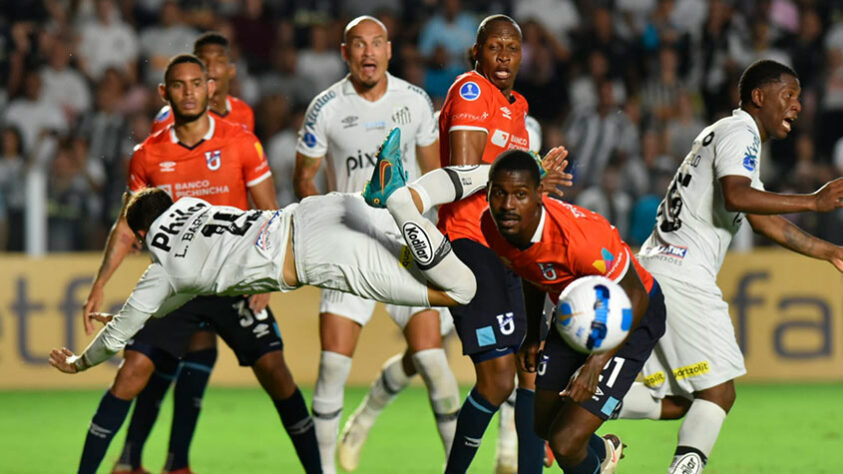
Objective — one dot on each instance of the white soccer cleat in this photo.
(352, 439)
(614, 453)
(688, 463)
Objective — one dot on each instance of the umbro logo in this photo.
(167, 166)
(350, 121)
(506, 112)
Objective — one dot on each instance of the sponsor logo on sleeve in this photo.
(674, 251)
(419, 242)
(604, 264)
(500, 138)
(470, 91)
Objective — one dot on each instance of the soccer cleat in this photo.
(614, 454)
(389, 173)
(127, 469)
(353, 436)
(548, 455)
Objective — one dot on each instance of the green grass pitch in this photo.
(772, 429)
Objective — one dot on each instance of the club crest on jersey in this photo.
(212, 159)
(500, 138)
(402, 116)
(548, 272)
(470, 91)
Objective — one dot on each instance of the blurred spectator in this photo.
(718, 71)
(254, 33)
(281, 154)
(161, 42)
(759, 46)
(68, 195)
(451, 28)
(539, 77)
(108, 42)
(643, 214)
(321, 63)
(596, 134)
(12, 191)
(682, 130)
(601, 36)
(608, 199)
(440, 73)
(284, 79)
(660, 92)
(583, 89)
(559, 18)
(33, 114)
(63, 85)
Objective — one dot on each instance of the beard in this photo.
(180, 117)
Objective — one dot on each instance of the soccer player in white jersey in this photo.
(717, 185)
(342, 125)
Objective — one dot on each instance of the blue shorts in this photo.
(559, 361)
(248, 334)
(494, 322)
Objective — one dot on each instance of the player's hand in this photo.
(258, 303)
(583, 383)
(830, 196)
(837, 259)
(59, 360)
(528, 356)
(104, 318)
(555, 162)
(93, 303)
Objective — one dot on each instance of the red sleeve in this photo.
(255, 166)
(163, 118)
(138, 178)
(469, 108)
(250, 119)
(602, 252)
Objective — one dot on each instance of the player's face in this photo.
(220, 70)
(187, 90)
(781, 106)
(367, 52)
(515, 203)
(499, 57)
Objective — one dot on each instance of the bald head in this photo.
(357, 21)
(495, 23)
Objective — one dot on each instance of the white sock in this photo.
(327, 405)
(639, 403)
(507, 435)
(442, 390)
(450, 184)
(697, 435)
(390, 382)
(430, 249)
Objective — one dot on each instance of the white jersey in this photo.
(693, 228)
(200, 249)
(347, 130)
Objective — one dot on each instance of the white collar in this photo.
(537, 237)
(207, 136)
(746, 117)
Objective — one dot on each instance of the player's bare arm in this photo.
(304, 176)
(120, 242)
(428, 157)
(534, 305)
(584, 382)
(467, 147)
(739, 196)
(785, 233)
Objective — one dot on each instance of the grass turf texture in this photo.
(772, 429)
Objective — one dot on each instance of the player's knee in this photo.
(202, 340)
(132, 376)
(674, 407)
(723, 395)
(274, 375)
(567, 445)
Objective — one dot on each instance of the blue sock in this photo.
(299, 425)
(589, 465)
(106, 422)
(530, 446)
(187, 402)
(596, 444)
(474, 417)
(147, 405)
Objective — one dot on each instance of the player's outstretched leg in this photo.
(390, 382)
(147, 406)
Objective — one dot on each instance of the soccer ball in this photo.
(593, 314)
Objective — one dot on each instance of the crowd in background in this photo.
(626, 85)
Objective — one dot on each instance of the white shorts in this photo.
(360, 310)
(698, 349)
(338, 245)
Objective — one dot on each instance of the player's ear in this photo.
(212, 86)
(388, 50)
(344, 52)
(475, 54)
(162, 91)
(757, 97)
(232, 71)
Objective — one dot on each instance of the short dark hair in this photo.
(486, 26)
(759, 74)
(182, 59)
(516, 160)
(145, 206)
(211, 37)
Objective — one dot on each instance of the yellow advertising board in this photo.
(787, 309)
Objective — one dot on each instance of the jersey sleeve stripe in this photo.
(467, 127)
(259, 179)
